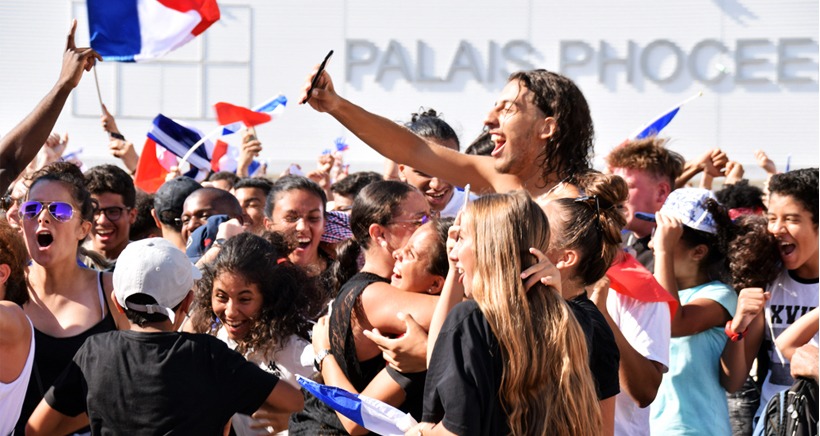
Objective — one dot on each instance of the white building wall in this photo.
(264, 47)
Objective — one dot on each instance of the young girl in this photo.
(68, 302)
(513, 360)
(690, 263)
(16, 331)
(384, 217)
(257, 301)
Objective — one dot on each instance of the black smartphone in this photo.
(316, 77)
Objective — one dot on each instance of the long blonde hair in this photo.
(547, 386)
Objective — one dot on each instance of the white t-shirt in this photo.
(12, 394)
(647, 328)
(790, 300)
(296, 357)
(455, 203)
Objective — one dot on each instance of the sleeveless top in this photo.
(317, 418)
(12, 394)
(54, 354)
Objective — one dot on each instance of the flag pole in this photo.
(97, 82)
(211, 134)
(635, 133)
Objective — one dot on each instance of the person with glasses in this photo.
(11, 202)
(68, 303)
(113, 190)
(384, 217)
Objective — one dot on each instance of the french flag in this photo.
(139, 30)
(232, 117)
(628, 277)
(169, 140)
(370, 413)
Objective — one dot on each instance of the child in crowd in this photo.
(150, 379)
(256, 301)
(690, 263)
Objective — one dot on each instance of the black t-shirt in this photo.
(604, 357)
(464, 376)
(158, 383)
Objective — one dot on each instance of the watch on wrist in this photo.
(320, 356)
(734, 337)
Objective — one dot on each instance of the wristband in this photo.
(734, 337)
(317, 361)
(116, 136)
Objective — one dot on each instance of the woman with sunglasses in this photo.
(384, 217)
(67, 302)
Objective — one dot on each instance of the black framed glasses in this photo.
(61, 211)
(113, 213)
(592, 201)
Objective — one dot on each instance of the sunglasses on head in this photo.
(61, 211)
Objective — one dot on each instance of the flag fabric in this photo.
(139, 30)
(372, 414)
(178, 139)
(628, 277)
(150, 172)
(233, 117)
(341, 145)
(656, 126)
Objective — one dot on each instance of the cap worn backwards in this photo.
(156, 268)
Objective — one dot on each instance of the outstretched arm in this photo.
(21, 145)
(402, 146)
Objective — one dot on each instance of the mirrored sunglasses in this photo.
(61, 211)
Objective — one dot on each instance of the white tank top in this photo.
(12, 394)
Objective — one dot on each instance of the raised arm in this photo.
(402, 146)
(23, 142)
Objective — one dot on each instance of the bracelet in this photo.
(734, 337)
(320, 356)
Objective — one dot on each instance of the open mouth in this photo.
(303, 243)
(44, 239)
(499, 144)
(787, 248)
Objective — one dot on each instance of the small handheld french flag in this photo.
(370, 413)
(138, 30)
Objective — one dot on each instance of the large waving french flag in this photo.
(138, 30)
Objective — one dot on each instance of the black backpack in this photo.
(792, 412)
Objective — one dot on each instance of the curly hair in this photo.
(288, 293)
(650, 155)
(800, 185)
(13, 253)
(741, 195)
(569, 151)
(754, 260)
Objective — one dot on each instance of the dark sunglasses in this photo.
(113, 213)
(61, 211)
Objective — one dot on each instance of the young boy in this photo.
(151, 379)
(793, 208)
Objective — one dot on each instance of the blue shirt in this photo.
(690, 400)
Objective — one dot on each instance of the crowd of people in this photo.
(546, 298)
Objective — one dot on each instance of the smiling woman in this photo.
(259, 303)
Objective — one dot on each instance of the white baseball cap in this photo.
(156, 268)
(689, 206)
